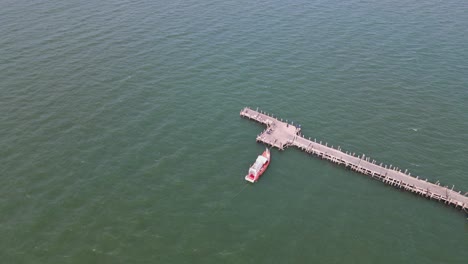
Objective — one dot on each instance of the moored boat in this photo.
(259, 167)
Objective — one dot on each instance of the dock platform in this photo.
(280, 134)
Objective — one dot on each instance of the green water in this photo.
(121, 141)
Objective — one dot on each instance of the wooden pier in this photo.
(281, 134)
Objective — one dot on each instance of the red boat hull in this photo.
(254, 175)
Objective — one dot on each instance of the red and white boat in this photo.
(259, 167)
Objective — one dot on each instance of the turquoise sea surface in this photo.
(121, 141)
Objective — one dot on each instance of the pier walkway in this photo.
(281, 134)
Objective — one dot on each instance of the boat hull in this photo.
(253, 177)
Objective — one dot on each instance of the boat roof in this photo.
(259, 163)
(261, 159)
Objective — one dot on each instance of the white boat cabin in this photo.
(255, 168)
